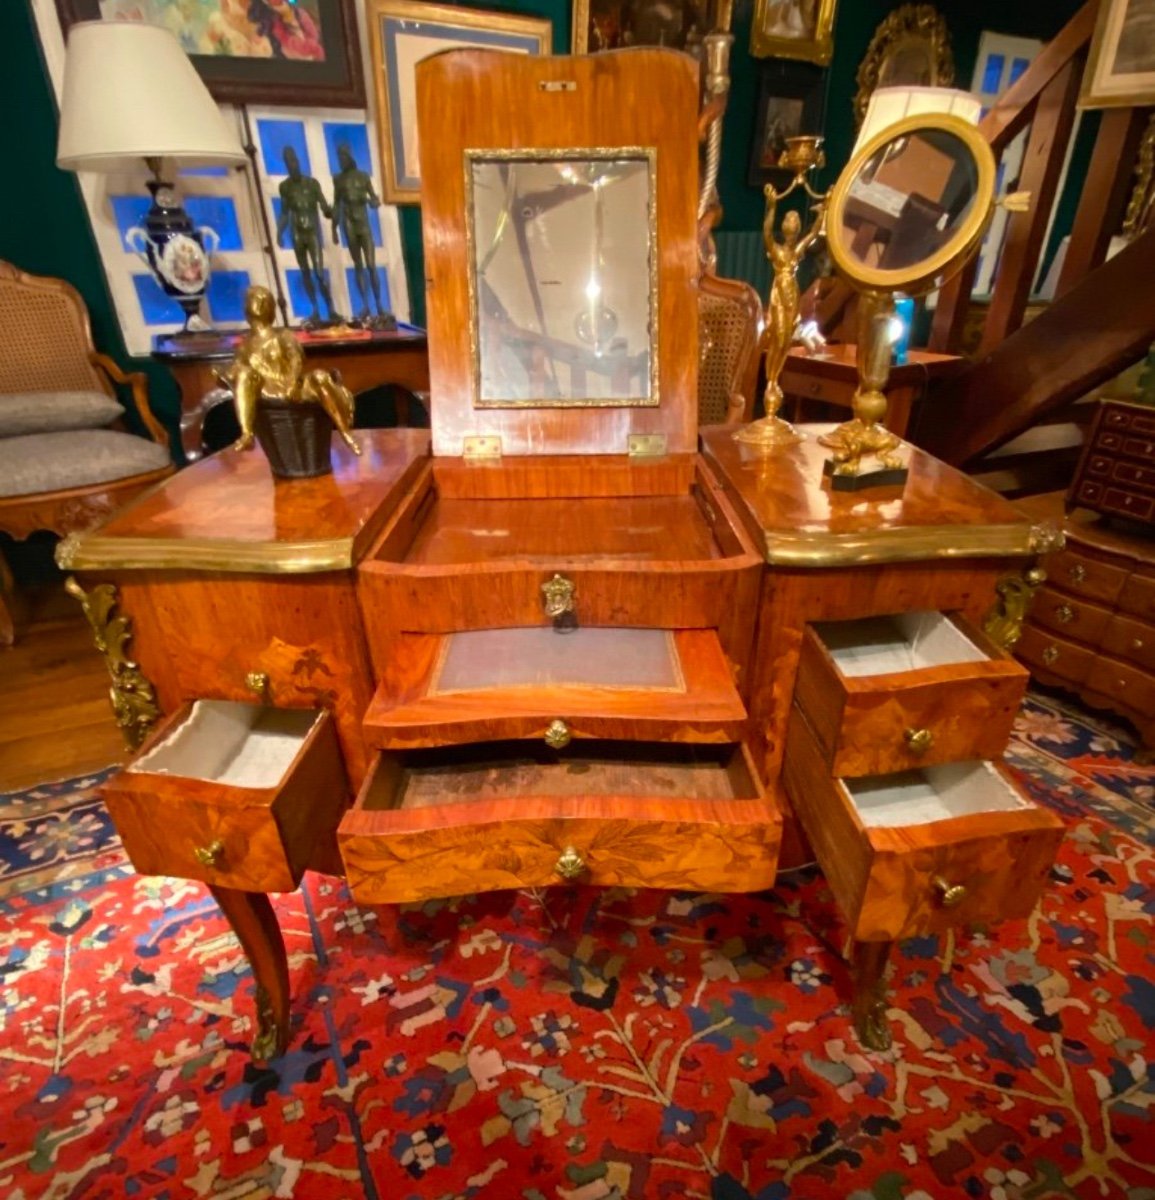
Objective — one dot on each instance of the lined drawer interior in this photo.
(223, 741)
(464, 774)
(899, 642)
(931, 794)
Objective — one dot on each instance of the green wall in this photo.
(43, 222)
(44, 227)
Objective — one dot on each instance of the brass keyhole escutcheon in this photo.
(210, 855)
(1065, 614)
(258, 683)
(557, 602)
(950, 895)
(918, 741)
(1078, 573)
(558, 736)
(1051, 655)
(570, 864)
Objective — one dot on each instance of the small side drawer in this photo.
(1052, 656)
(890, 693)
(1125, 684)
(439, 823)
(1086, 577)
(1077, 619)
(1138, 596)
(1128, 504)
(920, 851)
(236, 795)
(1131, 640)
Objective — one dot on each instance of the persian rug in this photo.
(577, 1044)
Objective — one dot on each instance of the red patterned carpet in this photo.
(581, 1044)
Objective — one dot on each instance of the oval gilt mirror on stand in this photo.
(905, 216)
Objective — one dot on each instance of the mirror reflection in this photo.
(909, 200)
(562, 287)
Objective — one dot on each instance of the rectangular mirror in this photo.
(563, 277)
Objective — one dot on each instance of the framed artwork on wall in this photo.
(793, 29)
(1121, 66)
(613, 24)
(260, 52)
(791, 101)
(401, 34)
(910, 47)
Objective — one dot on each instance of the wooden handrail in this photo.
(1044, 96)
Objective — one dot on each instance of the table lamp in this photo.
(131, 93)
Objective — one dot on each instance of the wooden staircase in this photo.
(1012, 415)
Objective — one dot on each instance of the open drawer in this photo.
(507, 815)
(237, 795)
(450, 562)
(494, 684)
(918, 851)
(889, 693)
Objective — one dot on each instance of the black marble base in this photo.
(878, 477)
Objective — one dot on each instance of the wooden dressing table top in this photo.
(797, 520)
(228, 513)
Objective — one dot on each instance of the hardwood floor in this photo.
(55, 719)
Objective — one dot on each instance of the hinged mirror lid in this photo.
(559, 202)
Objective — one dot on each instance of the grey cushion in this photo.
(51, 462)
(54, 412)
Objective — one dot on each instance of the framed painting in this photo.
(256, 52)
(613, 24)
(401, 34)
(1121, 66)
(793, 29)
(791, 101)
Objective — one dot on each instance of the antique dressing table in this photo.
(551, 639)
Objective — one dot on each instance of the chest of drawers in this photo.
(1091, 629)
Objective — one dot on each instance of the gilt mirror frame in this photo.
(576, 154)
(934, 270)
(920, 25)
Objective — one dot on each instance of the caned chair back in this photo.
(45, 338)
(729, 336)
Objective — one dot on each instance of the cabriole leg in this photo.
(868, 975)
(253, 921)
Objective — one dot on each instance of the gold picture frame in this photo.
(397, 28)
(1121, 66)
(599, 25)
(794, 29)
(911, 46)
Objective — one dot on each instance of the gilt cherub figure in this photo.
(269, 364)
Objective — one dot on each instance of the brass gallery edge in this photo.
(94, 553)
(804, 549)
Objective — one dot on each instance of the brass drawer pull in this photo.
(918, 741)
(1078, 573)
(1051, 656)
(557, 602)
(210, 855)
(1136, 643)
(950, 895)
(258, 683)
(1064, 613)
(570, 865)
(558, 736)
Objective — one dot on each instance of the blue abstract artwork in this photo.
(298, 297)
(219, 213)
(993, 74)
(128, 211)
(155, 306)
(355, 136)
(226, 295)
(355, 296)
(275, 138)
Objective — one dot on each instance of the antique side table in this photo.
(364, 358)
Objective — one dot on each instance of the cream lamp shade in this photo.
(130, 92)
(889, 105)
